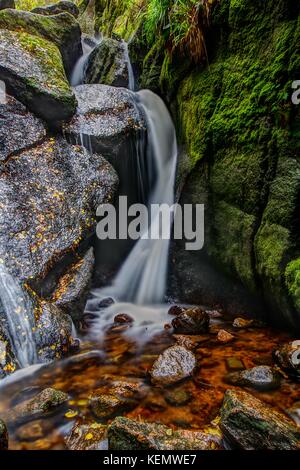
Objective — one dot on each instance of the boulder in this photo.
(288, 357)
(86, 436)
(32, 70)
(62, 30)
(174, 364)
(108, 64)
(127, 434)
(261, 378)
(3, 436)
(19, 129)
(50, 194)
(44, 402)
(7, 4)
(105, 120)
(250, 424)
(191, 321)
(56, 8)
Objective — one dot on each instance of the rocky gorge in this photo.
(88, 360)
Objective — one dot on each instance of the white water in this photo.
(140, 285)
(131, 83)
(18, 314)
(79, 69)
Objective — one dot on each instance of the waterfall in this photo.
(140, 285)
(131, 83)
(142, 278)
(79, 69)
(18, 313)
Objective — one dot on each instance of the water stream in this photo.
(19, 317)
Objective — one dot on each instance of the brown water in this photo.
(92, 368)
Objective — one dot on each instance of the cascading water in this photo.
(18, 313)
(131, 81)
(79, 69)
(140, 285)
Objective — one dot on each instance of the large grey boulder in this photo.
(19, 129)
(62, 30)
(32, 70)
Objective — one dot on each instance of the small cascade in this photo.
(19, 317)
(88, 45)
(131, 81)
(140, 285)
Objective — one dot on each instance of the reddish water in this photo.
(82, 374)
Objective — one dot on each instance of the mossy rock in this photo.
(61, 29)
(33, 72)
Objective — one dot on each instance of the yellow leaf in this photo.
(71, 414)
(89, 436)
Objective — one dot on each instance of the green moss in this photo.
(292, 279)
(50, 61)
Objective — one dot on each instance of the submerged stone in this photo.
(224, 336)
(44, 402)
(174, 364)
(86, 436)
(128, 434)
(261, 378)
(178, 397)
(32, 70)
(250, 424)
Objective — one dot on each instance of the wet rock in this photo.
(62, 30)
(132, 390)
(240, 322)
(191, 321)
(176, 310)
(288, 357)
(261, 378)
(174, 364)
(53, 334)
(123, 318)
(50, 195)
(3, 436)
(127, 434)
(107, 64)
(33, 430)
(56, 8)
(234, 363)
(73, 288)
(190, 341)
(104, 405)
(178, 397)
(7, 4)
(32, 70)
(86, 436)
(19, 129)
(294, 412)
(107, 302)
(44, 402)
(250, 424)
(224, 336)
(107, 117)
